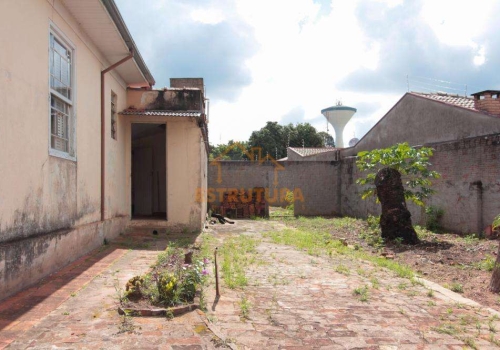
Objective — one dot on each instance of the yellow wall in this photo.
(41, 193)
(186, 169)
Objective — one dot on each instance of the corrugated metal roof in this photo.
(452, 99)
(311, 151)
(161, 113)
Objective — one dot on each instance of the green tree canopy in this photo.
(233, 150)
(328, 140)
(387, 168)
(412, 163)
(274, 138)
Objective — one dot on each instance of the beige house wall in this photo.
(186, 160)
(53, 201)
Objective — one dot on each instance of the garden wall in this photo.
(468, 191)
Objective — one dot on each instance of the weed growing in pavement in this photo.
(126, 324)
(342, 269)
(402, 286)
(446, 328)
(245, 306)
(313, 236)
(237, 254)
(457, 288)
(362, 292)
(469, 341)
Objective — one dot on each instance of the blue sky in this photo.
(283, 60)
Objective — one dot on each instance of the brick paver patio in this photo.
(297, 301)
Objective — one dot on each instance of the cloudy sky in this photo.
(285, 60)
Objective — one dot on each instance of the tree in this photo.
(328, 140)
(386, 166)
(495, 277)
(234, 150)
(270, 139)
(273, 139)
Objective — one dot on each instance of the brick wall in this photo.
(468, 191)
(314, 182)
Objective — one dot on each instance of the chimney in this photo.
(488, 101)
(187, 83)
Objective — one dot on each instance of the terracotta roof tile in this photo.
(161, 113)
(456, 100)
(311, 151)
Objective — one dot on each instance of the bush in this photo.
(171, 282)
(433, 218)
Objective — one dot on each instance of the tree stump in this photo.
(395, 221)
(495, 277)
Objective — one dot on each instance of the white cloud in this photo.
(303, 53)
(459, 23)
(207, 16)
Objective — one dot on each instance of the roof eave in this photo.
(115, 15)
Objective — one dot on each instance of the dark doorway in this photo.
(149, 171)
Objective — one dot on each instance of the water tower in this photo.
(338, 116)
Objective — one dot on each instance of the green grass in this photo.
(487, 264)
(457, 288)
(446, 328)
(237, 254)
(312, 238)
(245, 306)
(362, 292)
(342, 269)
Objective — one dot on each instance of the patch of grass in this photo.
(126, 324)
(457, 287)
(431, 303)
(469, 341)
(471, 239)
(487, 264)
(375, 282)
(362, 292)
(446, 328)
(317, 242)
(493, 340)
(430, 293)
(342, 269)
(245, 306)
(402, 286)
(237, 254)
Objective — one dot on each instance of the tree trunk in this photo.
(395, 221)
(495, 277)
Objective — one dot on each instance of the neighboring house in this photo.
(465, 135)
(74, 169)
(420, 118)
(311, 154)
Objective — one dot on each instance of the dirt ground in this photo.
(449, 259)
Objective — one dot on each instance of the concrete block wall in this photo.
(312, 181)
(468, 191)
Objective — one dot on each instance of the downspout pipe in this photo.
(103, 134)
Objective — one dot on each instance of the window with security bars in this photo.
(61, 95)
(114, 125)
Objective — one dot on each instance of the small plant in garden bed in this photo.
(173, 280)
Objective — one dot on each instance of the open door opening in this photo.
(149, 171)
